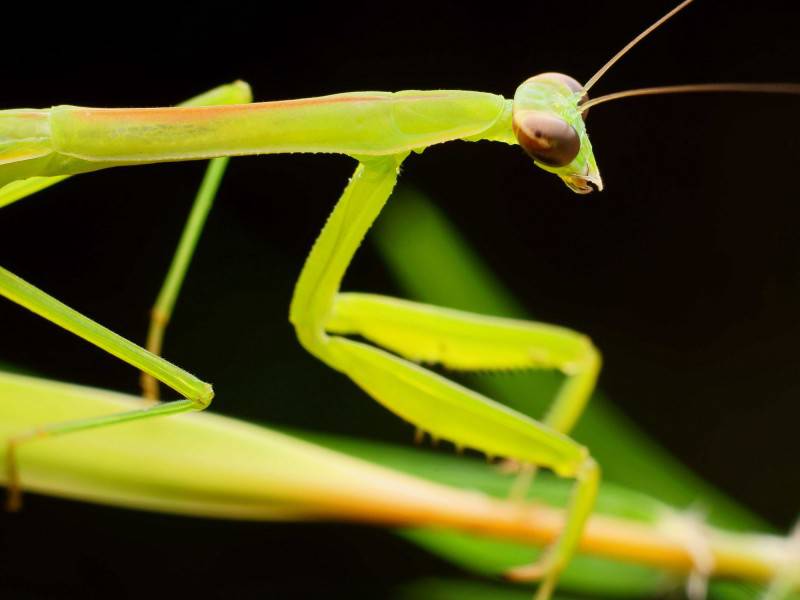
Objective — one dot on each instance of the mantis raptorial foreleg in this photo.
(431, 402)
(466, 341)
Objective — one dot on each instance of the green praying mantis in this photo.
(546, 117)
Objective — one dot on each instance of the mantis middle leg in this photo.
(431, 402)
(154, 369)
(197, 393)
(233, 93)
(165, 302)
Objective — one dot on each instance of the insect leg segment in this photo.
(197, 394)
(556, 558)
(237, 92)
(165, 302)
(431, 402)
(465, 341)
(316, 289)
(22, 188)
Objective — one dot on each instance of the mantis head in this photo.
(549, 112)
(548, 122)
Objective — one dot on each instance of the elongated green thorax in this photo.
(550, 127)
(66, 140)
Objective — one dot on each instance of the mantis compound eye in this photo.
(547, 138)
(573, 85)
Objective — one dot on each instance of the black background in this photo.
(685, 271)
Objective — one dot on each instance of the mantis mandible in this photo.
(545, 117)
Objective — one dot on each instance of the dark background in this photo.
(685, 271)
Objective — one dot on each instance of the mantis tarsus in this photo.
(379, 130)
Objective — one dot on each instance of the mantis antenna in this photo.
(758, 88)
(602, 71)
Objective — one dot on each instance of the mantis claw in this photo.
(532, 572)
(546, 569)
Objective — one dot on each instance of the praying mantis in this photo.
(379, 130)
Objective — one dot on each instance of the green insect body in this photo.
(379, 129)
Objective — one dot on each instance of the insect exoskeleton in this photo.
(542, 132)
(549, 125)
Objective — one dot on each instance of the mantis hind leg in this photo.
(431, 402)
(197, 394)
